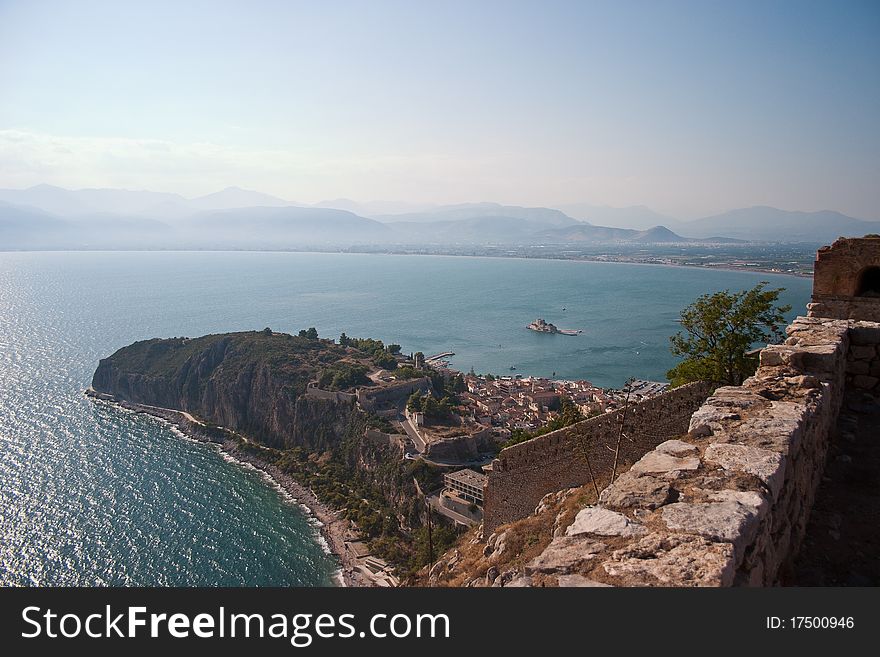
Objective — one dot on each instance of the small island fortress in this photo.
(541, 326)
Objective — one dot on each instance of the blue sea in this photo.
(93, 495)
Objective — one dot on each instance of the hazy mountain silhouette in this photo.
(547, 217)
(762, 223)
(236, 197)
(638, 217)
(375, 209)
(45, 216)
(280, 227)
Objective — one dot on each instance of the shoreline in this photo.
(731, 268)
(332, 529)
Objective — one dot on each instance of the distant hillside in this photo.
(66, 203)
(283, 227)
(235, 197)
(375, 209)
(247, 228)
(479, 230)
(637, 217)
(30, 228)
(545, 217)
(763, 223)
(598, 234)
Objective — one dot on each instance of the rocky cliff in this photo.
(252, 382)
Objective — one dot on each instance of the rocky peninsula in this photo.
(254, 394)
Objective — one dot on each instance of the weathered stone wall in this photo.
(315, 392)
(863, 358)
(370, 398)
(524, 473)
(729, 503)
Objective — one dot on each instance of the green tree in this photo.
(393, 348)
(344, 340)
(718, 331)
(384, 360)
(414, 403)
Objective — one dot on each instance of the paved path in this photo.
(414, 435)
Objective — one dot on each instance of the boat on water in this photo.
(541, 326)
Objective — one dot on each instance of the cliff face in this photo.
(249, 382)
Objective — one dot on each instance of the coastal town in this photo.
(481, 414)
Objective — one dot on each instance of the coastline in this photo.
(332, 528)
(341, 251)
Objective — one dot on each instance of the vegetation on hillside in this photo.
(381, 355)
(343, 375)
(395, 533)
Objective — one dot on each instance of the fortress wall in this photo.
(329, 395)
(729, 503)
(369, 398)
(522, 474)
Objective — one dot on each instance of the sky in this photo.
(690, 108)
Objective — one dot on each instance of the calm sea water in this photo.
(93, 495)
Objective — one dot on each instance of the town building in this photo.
(467, 484)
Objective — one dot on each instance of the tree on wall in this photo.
(718, 331)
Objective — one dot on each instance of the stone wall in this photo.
(314, 392)
(728, 504)
(863, 358)
(370, 398)
(524, 473)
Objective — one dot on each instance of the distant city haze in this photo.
(690, 109)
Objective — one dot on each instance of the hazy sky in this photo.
(689, 108)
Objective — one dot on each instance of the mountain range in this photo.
(52, 217)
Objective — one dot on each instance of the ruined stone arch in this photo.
(868, 282)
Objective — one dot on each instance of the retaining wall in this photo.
(524, 473)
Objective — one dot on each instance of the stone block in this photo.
(676, 448)
(858, 367)
(656, 462)
(768, 466)
(865, 335)
(860, 352)
(672, 560)
(734, 518)
(564, 554)
(632, 490)
(596, 520)
(864, 382)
